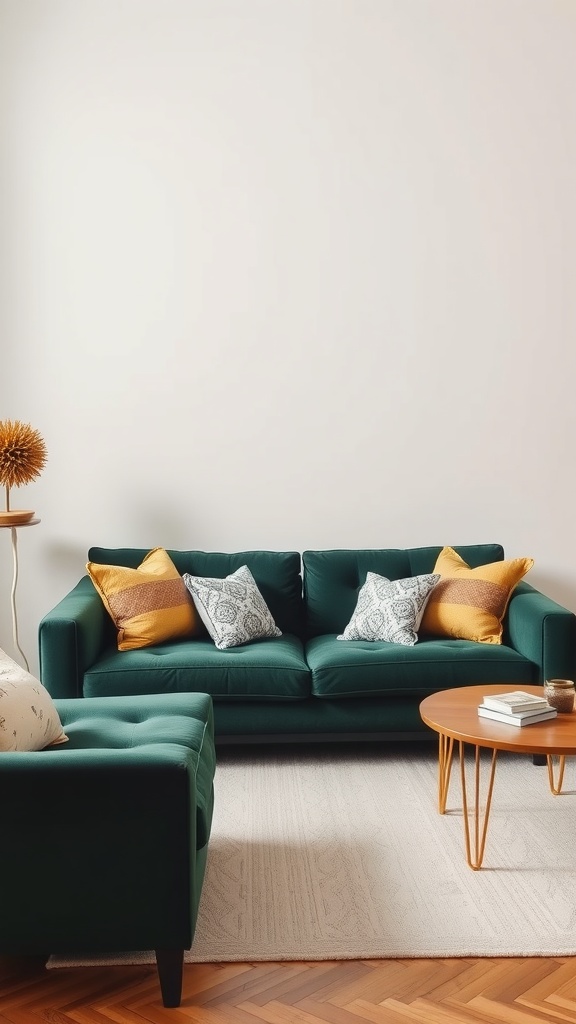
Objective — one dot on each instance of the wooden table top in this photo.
(18, 526)
(455, 713)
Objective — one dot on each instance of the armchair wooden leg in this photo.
(170, 963)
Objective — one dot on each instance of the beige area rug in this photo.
(339, 854)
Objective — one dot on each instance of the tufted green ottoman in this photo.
(104, 838)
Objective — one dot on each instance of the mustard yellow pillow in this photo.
(470, 604)
(148, 604)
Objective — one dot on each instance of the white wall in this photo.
(289, 274)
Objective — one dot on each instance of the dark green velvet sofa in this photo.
(305, 684)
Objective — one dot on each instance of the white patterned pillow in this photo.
(232, 609)
(28, 717)
(390, 610)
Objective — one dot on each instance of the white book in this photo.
(537, 710)
(514, 702)
(517, 720)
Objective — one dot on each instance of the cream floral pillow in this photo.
(28, 717)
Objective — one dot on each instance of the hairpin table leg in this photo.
(556, 787)
(474, 858)
(445, 751)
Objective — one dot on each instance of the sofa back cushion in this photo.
(332, 579)
(277, 575)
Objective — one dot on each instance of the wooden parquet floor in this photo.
(466, 991)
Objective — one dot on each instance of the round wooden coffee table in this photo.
(453, 714)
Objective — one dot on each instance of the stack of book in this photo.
(517, 708)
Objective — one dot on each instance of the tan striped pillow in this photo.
(470, 604)
(148, 604)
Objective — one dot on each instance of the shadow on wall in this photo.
(149, 530)
(561, 590)
(65, 558)
(147, 524)
(166, 525)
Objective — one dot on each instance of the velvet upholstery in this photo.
(104, 839)
(275, 669)
(362, 668)
(305, 683)
(277, 574)
(332, 579)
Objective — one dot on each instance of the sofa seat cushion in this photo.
(361, 668)
(273, 668)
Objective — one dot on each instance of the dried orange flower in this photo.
(22, 453)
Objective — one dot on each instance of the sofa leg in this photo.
(170, 963)
(539, 759)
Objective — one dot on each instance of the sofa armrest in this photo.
(139, 892)
(70, 638)
(543, 631)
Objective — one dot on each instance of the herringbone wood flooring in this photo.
(510, 991)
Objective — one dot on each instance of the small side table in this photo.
(14, 529)
(453, 714)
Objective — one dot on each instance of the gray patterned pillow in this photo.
(232, 609)
(390, 610)
(28, 717)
